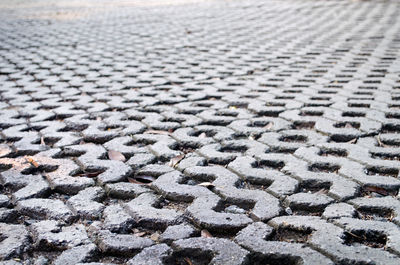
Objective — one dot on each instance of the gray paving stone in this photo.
(224, 251)
(85, 204)
(339, 210)
(152, 255)
(116, 219)
(125, 190)
(15, 241)
(176, 232)
(336, 246)
(143, 211)
(274, 125)
(308, 201)
(4, 201)
(51, 234)
(76, 254)
(45, 209)
(121, 244)
(28, 186)
(8, 215)
(254, 236)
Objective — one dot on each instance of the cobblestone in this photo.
(76, 254)
(116, 219)
(176, 232)
(53, 235)
(45, 209)
(254, 236)
(85, 204)
(15, 240)
(224, 251)
(199, 132)
(152, 255)
(121, 244)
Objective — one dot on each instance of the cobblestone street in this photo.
(197, 132)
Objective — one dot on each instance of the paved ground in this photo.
(196, 132)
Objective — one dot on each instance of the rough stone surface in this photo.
(121, 244)
(53, 235)
(76, 255)
(15, 240)
(45, 209)
(152, 255)
(4, 201)
(223, 251)
(116, 219)
(86, 203)
(7, 215)
(176, 232)
(123, 190)
(255, 238)
(198, 132)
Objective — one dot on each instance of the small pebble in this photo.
(235, 209)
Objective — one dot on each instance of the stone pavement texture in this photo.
(199, 132)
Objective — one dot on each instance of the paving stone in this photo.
(191, 161)
(254, 236)
(125, 190)
(143, 211)
(160, 145)
(45, 209)
(176, 232)
(51, 234)
(28, 186)
(4, 150)
(370, 228)
(76, 254)
(114, 170)
(281, 141)
(336, 246)
(308, 201)
(116, 219)
(202, 212)
(172, 187)
(8, 215)
(154, 170)
(353, 170)
(15, 241)
(86, 203)
(224, 251)
(61, 177)
(339, 210)
(121, 244)
(379, 206)
(4, 201)
(276, 182)
(265, 205)
(152, 255)
(141, 159)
